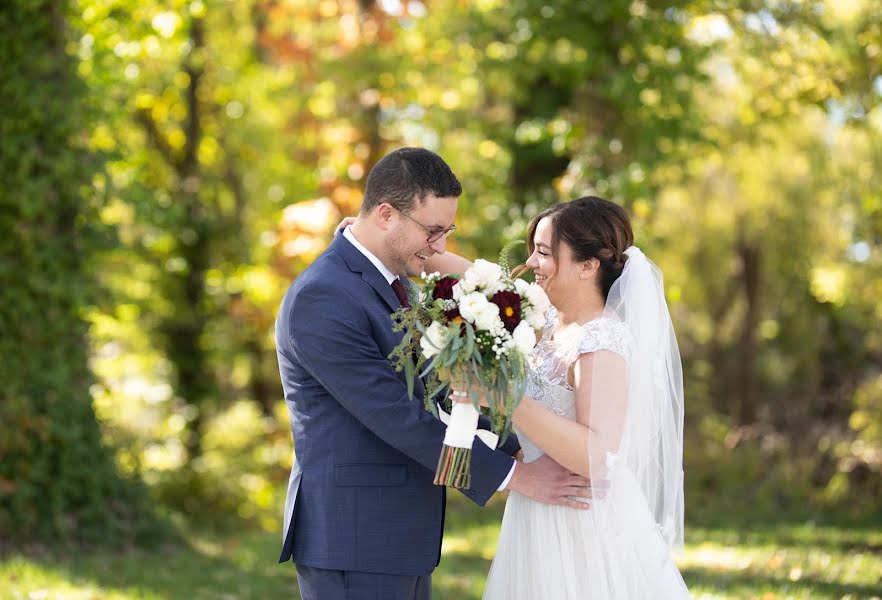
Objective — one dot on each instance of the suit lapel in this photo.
(382, 287)
(359, 263)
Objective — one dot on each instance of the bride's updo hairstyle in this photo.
(593, 228)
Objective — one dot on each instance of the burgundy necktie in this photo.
(399, 290)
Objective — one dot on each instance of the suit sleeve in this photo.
(511, 445)
(329, 333)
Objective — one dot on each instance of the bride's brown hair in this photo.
(593, 228)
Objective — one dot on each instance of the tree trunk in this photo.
(195, 380)
(745, 382)
(185, 290)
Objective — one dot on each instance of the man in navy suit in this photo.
(363, 519)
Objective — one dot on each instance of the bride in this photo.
(605, 400)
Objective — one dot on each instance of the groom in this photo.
(363, 519)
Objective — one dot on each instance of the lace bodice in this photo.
(552, 357)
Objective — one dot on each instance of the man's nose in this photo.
(439, 245)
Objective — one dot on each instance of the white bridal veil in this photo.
(636, 412)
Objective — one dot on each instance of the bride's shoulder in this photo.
(606, 334)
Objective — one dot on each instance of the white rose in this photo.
(461, 288)
(487, 318)
(434, 339)
(535, 319)
(470, 304)
(484, 275)
(521, 287)
(524, 337)
(537, 298)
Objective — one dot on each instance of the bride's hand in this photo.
(346, 222)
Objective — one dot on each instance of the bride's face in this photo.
(556, 275)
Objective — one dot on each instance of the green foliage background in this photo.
(169, 167)
(58, 480)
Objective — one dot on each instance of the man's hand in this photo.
(545, 481)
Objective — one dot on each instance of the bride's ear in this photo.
(589, 269)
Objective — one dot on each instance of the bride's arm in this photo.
(573, 443)
(447, 263)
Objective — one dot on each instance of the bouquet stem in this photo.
(454, 468)
(455, 463)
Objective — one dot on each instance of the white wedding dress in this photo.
(613, 551)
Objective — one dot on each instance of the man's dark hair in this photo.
(406, 175)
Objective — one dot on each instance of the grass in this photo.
(768, 562)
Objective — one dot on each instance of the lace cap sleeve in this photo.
(605, 334)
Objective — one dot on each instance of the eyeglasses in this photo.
(433, 234)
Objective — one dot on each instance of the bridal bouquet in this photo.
(470, 332)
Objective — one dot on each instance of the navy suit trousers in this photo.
(329, 584)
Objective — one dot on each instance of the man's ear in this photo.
(383, 215)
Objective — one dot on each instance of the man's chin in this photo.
(416, 267)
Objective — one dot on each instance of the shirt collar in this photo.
(383, 269)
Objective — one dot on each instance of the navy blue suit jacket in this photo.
(360, 496)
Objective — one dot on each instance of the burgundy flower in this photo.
(452, 314)
(444, 288)
(509, 304)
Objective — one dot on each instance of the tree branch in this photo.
(142, 116)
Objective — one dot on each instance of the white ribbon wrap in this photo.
(462, 427)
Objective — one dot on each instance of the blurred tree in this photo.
(769, 278)
(58, 482)
(857, 158)
(196, 178)
(592, 96)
